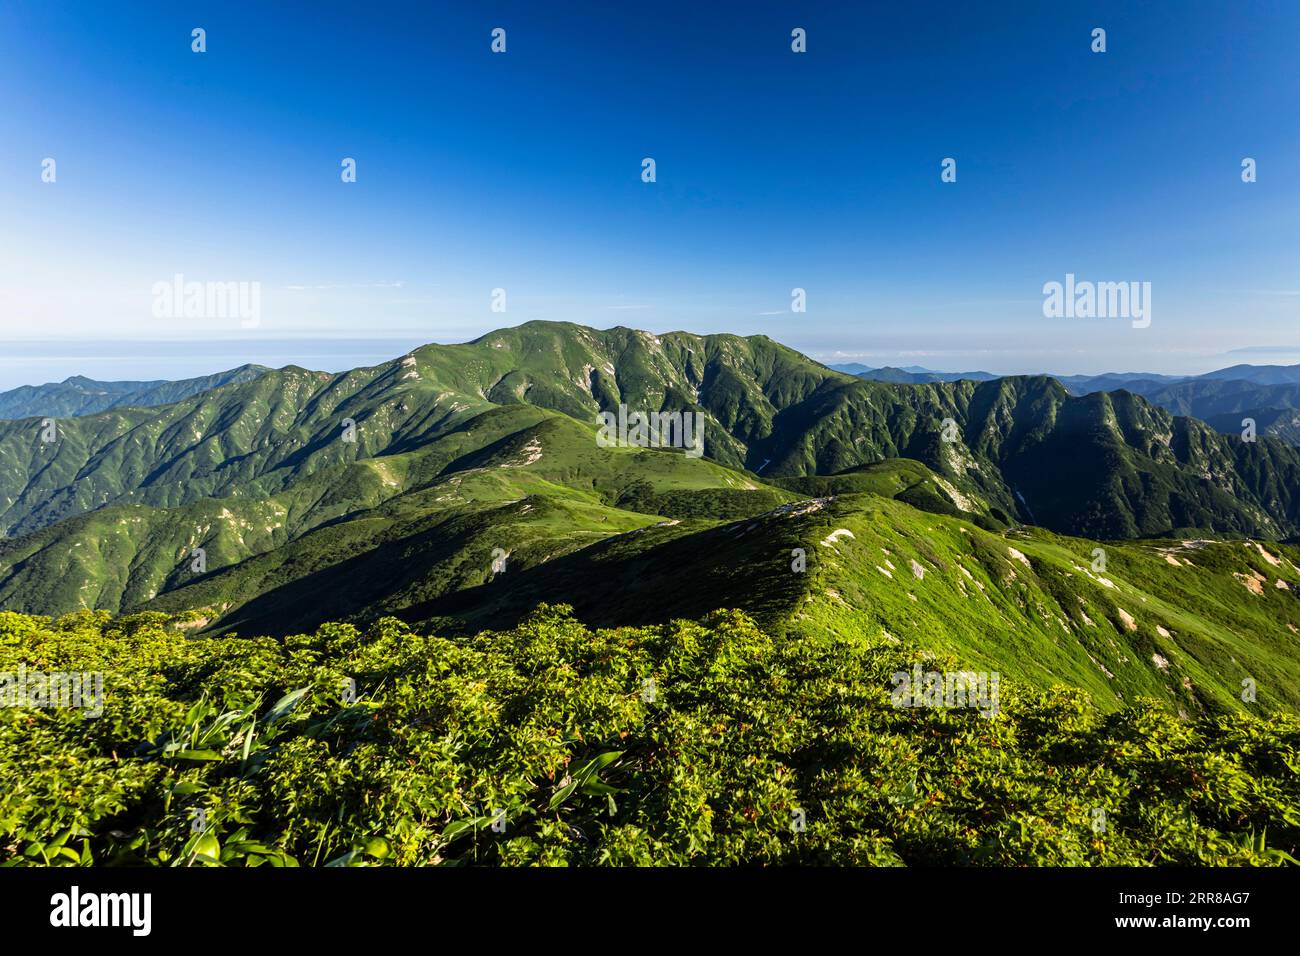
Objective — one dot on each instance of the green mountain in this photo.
(1280, 423)
(84, 396)
(474, 489)
(525, 479)
(1224, 403)
(1181, 622)
(1105, 466)
(1270, 394)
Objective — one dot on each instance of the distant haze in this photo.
(34, 362)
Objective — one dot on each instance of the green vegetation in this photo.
(1102, 465)
(480, 442)
(230, 560)
(1181, 621)
(462, 507)
(1223, 402)
(687, 743)
(84, 396)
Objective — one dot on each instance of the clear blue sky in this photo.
(775, 170)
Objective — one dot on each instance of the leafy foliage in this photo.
(552, 744)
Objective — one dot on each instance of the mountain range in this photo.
(79, 395)
(909, 374)
(1267, 394)
(459, 486)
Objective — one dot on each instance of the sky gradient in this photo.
(522, 171)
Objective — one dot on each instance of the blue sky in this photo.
(522, 171)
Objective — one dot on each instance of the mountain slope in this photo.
(507, 460)
(1181, 622)
(1118, 466)
(912, 376)
(84, 396)
(1270, 394)
(1259, 374)
(474, 489)
(1224, 403)
(1184, 622)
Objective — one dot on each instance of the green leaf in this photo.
(351, 858)
(197, 755)
(285, 705)
(206, 846)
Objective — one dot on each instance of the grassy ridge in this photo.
(1031, 604)
(1027, 603)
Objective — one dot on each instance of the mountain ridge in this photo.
(458, 486)
(766, 409)
(78, 395)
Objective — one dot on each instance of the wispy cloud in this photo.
(1266, 350)
(347, 285)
